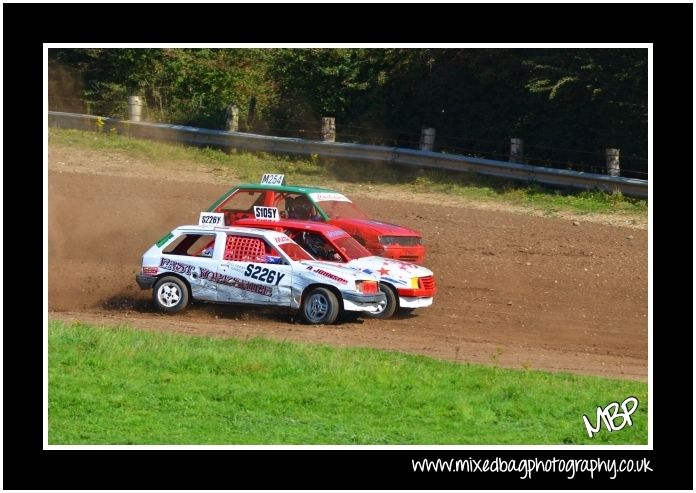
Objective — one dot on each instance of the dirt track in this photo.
(514, 290)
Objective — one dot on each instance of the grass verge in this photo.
(246, 166)
(124, 386)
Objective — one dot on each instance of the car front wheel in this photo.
(320, 306)
(170, 294)
(386, 309)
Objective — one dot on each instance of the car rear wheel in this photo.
(170, 294)
(387, 308)
(320, 306)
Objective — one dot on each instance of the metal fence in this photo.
(361, 152)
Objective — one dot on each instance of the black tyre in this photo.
(386, 309)
(170, 294)
(320, 306)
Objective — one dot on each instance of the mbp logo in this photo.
(609, 414)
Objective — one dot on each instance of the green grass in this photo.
(124, 386)
(246, 166)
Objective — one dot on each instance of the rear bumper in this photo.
(145, 281)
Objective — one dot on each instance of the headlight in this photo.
(400, 240)
(367, 287)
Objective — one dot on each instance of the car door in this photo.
(252, 271)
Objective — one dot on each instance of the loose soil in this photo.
(514, 290)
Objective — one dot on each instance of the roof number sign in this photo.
(211, 219)
(269, 179)
(266, 213)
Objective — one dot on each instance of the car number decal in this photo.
(266, 213)
(263, 274)
(271, 179)
(211, 219)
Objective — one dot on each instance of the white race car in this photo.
(227, 264)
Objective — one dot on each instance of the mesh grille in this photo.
(244, 249)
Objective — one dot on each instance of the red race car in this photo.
(406, 286)
(319, 204)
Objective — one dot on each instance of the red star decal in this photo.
(404, 266)
(383, 271)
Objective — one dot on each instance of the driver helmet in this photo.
(302, 209)
(314, 245)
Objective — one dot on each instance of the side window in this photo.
(247, 249)
(317, 246)
(297, 206)
(285, 203)
(243, 201)
(192, 245)
(272, 255)
(241, 205)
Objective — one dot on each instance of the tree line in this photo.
(567, 104)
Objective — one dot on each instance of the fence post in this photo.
(135, 106)
(516, 150)
(613, 168)
(427, 140)
(232, 121)
(251, 114)
(328, 129)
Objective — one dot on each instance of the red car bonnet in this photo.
(381, 228)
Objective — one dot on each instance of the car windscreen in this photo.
(351, 248)
(335, 209)
(295, 251)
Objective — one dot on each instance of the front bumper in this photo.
(357, 302)
(145, 281)
(414, 302)
(364, 298)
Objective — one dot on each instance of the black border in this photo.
(27, 26)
